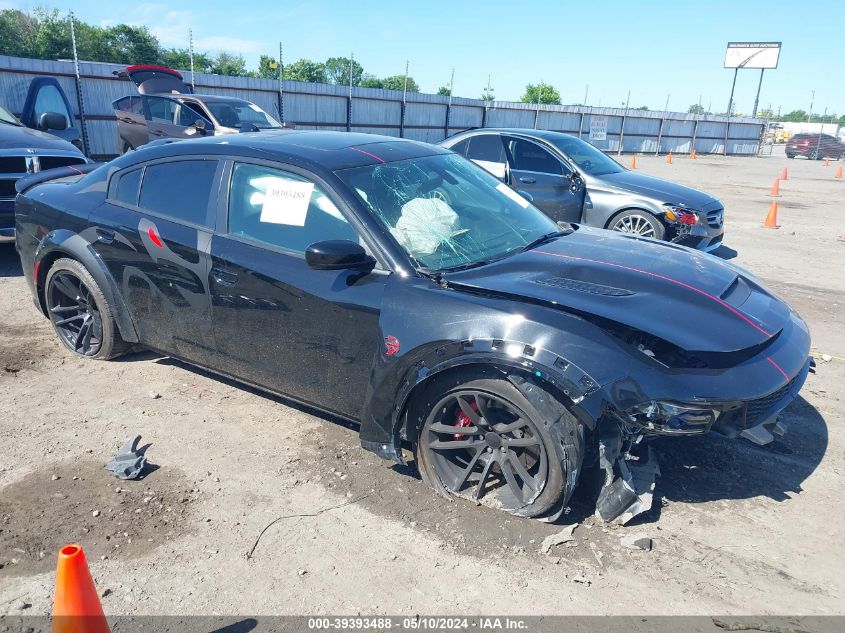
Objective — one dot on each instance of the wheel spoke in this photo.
(69, 319)
(62, 285)
(509, 427)
(462, 477)
(482, 403)
(453, 445)
(439, 427)
(484, 473)
(512, 483)
(521, 442)
(523, 474)
(64, 309)
(468, 411)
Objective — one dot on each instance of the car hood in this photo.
(690, 299)
(659, 189)
(14, 137)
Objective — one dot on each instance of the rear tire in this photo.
(521, 448)
(814, 154)
(79, 312)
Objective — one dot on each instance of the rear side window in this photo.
(127, 187)
(179, 189)
(161, 109)
(460, 148)
(487, 148)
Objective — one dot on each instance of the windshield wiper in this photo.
(548, 237)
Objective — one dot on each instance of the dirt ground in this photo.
(736, 528)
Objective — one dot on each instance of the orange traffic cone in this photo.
(76, 607)
(772, 218)
(694, 155)
(634, 161)
(827, 162)
(775, 189)
(783, 174)
(839, 171)
(669, 158)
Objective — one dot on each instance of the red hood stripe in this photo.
(665, 278)
(779, 368)
(363, 151)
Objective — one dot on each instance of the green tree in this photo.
(397, 82)
(338, 70)
(488, 94)
(371, 81)
(126, 44)
(541, 93)
(306, 70)
(229, 64)
(444, 91)
(268, 68)
(52, 40)
(696, 108)
(766, 113)
(18, 33)
(795, 115)
(180, 58)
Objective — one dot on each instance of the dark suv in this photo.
(815, 146)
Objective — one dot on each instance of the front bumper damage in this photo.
(630, 466)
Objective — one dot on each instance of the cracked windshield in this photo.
(445, 212)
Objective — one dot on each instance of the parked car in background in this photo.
(166, 108)
(815, 146)
(395, 284)
(24, 151)
(48, 109)
(572, 181)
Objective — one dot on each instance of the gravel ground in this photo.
(736, 528)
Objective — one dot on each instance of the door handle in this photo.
(105, 235)
(223, 276)
(527, 180)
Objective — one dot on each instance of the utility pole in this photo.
(586, 94)
(622, 127)
(451, 86)
(666, 107)
(191, 56)
(405, 84)
(281, 86)
(810, 113)
(79, 99)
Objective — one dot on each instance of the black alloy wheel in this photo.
(74, 313)
(480, 442)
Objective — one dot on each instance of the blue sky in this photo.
(654, 49)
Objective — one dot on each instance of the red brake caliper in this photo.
(462, 420)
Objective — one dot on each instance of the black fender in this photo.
(63, 243)
(385, 421)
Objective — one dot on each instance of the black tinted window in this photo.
(161, 109)
(529, 156)
(461, 148)
(283, 209)
(190, 114)
(487, 148)
(179, 189)
(127, 187)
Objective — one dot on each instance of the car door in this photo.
(536, 171)
(193, 120)
(487, 151)
(131, 122)
(45, 95)
(162, 119)
(309, 334)
(153, 232)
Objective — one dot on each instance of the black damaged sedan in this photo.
(395, 284)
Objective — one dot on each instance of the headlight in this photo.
(675, 213)
(672, 418)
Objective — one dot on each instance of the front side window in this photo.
(49, 99)
(161, 110)
(487, 151)
(189, 114)
(236, 114)
(589, 159)
(445, 212)
(179, 189)
(528, 156)
(283, 209)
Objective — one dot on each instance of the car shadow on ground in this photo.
(725, 252)
(10, 263)
(693, 470)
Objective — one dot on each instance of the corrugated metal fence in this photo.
(422, 117)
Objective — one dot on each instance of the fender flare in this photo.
(64, 243)
(542, 366)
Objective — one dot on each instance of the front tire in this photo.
(480, 436)
(80, 313)
(637, 222)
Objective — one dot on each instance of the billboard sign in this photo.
(752, 55)
(598, 127)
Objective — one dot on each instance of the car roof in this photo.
(549, 135)
(198, 97)
(320, 149)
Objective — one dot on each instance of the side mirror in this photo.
(576, 183)
(338, 255)
(52, 121)
(199, 125)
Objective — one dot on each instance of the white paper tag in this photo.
(286, 202)
(513, 195)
